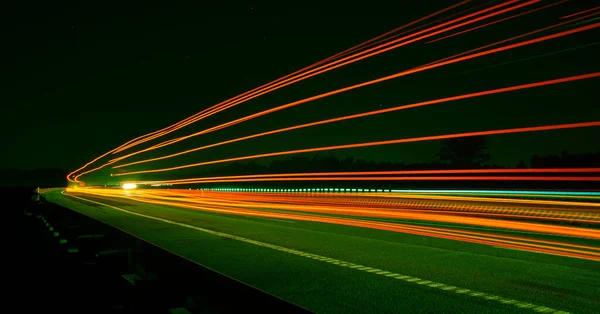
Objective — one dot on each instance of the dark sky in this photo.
(78, 79)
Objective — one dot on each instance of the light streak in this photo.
(377, 143)
(301, 208)
(375, 50)
(495, 22)
(269, 86)
(388, 173)
(504, 192)
(419, 178)
(511, 39)
(579, 13)
(365, 114)
(334, 65)
(532, 57)
(393, 76)
(152, 135)
(418, 69)
(389, 77)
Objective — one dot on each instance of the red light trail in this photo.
(361, 115)
(579, 13)
(401, 172)
(255, 92)
(377, 143)
(369, 174)
(515, 37)
(495, 22)
(486, 209)
(422, 68)
(393, 76)
(373, 51)
(194, 118)
(380, 44)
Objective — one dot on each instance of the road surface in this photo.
(331, 267)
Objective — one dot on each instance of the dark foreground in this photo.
(69, 263)
(332, 268)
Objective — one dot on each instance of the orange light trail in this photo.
(495, 22)
(365, 114)
(255, 92)
(347, 60)
(377, 143)
(393, 200)
(152, 135)
(388, 206)
(389, 77)
(513, 38)
(244, 204)
(260, 201)
(345, 89)
(579, 13)
(397, 172)
(285, 81)
(419, 178)
(99, 157)
(377, 50)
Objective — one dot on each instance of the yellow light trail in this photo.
(222, 203)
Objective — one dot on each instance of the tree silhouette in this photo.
(466, 152)
(521, 165)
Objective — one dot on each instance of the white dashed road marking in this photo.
(419, 281)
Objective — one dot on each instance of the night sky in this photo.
(80, 79)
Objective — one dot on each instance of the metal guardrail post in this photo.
(135, 248)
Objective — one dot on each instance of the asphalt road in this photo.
(330, 268)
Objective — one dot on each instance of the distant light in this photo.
(129, 186)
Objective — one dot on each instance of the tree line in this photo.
(460, 153)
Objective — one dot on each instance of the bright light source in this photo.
(129, 186)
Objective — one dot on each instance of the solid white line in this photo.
(380, 272)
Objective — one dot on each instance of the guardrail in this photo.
(132, 275)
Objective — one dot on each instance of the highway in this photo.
(375, 251)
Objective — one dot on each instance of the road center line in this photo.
(375, 271)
